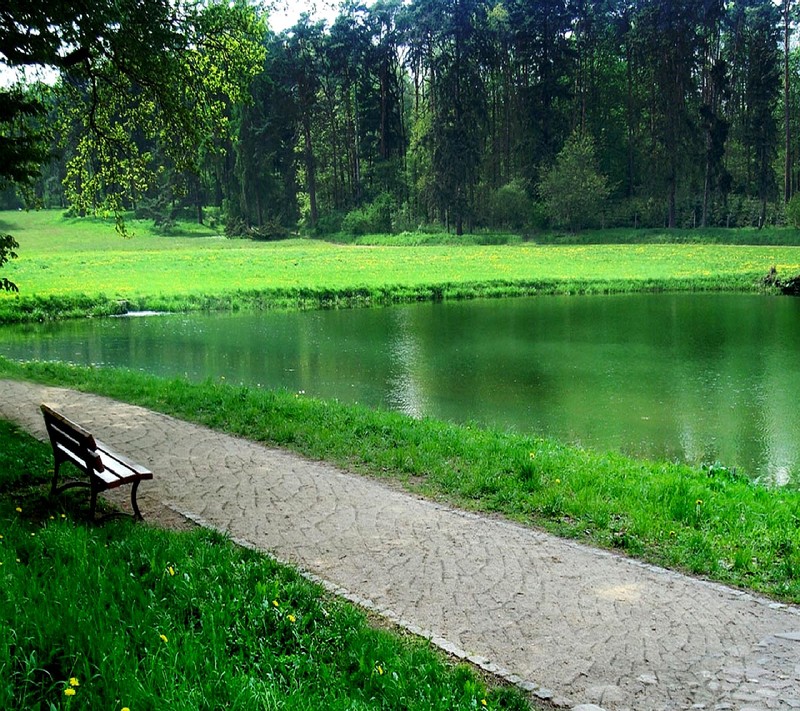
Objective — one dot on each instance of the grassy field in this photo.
(72, 267)
(127, 616)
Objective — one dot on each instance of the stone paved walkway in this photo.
(578, 627)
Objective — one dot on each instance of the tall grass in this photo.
(127, 616)
(710, 522)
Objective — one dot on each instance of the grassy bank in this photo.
(709, 522)
(127, 616)
(69, 268)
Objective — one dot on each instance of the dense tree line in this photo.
(513, 114)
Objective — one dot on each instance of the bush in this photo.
(160, 210)
(375, 217)
(329, 224)
(793, 211)
(573, 190)
(511, 206)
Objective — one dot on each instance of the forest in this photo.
(516, 115)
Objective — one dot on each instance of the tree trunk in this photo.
(311, 178)
(787, 173)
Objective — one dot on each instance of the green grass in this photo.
(72, 267)
(768, 236)
(709, 522)
(147, 619)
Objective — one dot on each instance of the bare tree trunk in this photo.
(311, 177)
(787, 173)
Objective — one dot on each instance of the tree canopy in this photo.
(135, 76)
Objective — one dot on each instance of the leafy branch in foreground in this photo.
(7, 246)
(127, 102)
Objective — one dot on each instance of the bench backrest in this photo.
(71, 440)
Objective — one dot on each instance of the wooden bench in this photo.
(104, 468)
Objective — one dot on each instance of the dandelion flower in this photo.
(379, 669)
(18, 509)
(164, 638)
(69, 691)
(275, 603)
(171, 570)
(292, 618)
(483, 702)
(74, 681)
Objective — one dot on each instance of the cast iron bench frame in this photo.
(105, 468)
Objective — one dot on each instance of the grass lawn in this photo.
(81, 266)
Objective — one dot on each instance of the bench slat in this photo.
(116, 473)
(91, 461)
(104, 449)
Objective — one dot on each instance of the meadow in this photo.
(77, 267)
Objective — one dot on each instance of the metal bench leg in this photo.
(54, 487)
(93, 504)
(137, 515)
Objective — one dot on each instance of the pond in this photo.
(701, 378)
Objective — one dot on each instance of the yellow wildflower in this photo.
(171, 570)
(275, 603)
(379, 669)
(164, 638)
(73, 681)
(483, 702)
(18, 509)
(558, 481)
(69, 691)
(125, 708)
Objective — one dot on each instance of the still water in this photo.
(698, 378)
